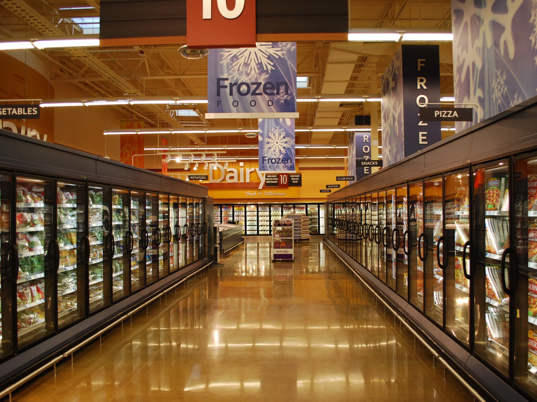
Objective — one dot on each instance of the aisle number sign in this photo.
(220, 24)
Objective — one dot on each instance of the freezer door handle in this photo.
(426, 244)
(406, 240)
(365, 232)
(466, 274)
(508, 291)
(395, 236)
(159, 237)
(112, 245)
(15, 256)
(444, 263)
(378, 234)
(169, 235)
(204, 228)
(385, 237)
(371, 233)
(177, 231)
(56, 255)
(88, 250)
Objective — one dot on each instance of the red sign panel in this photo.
(283, 180)
(220, 23)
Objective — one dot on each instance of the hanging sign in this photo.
(345, 178)
(249, 83)
(325, 191)
(276, 145)
(198, 177)
(363, 154)
(213, 24)
(333, 186)
(370, 162)
(19, 112)
(272, 180)
(446, 114)
(295, 180)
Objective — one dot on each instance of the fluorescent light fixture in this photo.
(120, 132)
(302, 82)
(66, 104)
(107, 103)
(448, 128)
(342, 100)
(373, 99)
(185, 112)
(379, 147)
(447, 99)
(47, 44)
(426, 36)
(380, 156)
(76, 8)
(307, 100)
(16, 45)
(191, 101)
(365, 130)
(374, 37)
(327, 130)
(188, 132)
(152, 102)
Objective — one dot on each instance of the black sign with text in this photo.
(333, 186)
(295, 180)
(271, 180)
(446, 114)
(345, 178)
(326, 191)
(198, 177)
(19, 111)
(369, 162)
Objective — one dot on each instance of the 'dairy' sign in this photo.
(277, 145)
(211, 24)
(259, 80)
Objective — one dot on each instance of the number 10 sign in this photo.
(212, 24)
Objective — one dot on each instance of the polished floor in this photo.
(254, 330)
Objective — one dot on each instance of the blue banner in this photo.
(277, 145)
(253, 80)
(362, 143)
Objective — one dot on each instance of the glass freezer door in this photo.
(491, 253)
(400, 241)
(525, 289)
(251, 220)
(227, 213)
(121, 236)
(275, 214)
(7, 259)
(417, 251)
(37, 252)
(391, 224)
(139, 241)
(163, 234)
(457, 235)
(74, 249)
(433, 248)
(264, 220)
(382, 236)
(375, 234)
(175, 233)
(238, 216)
(368, 229)
(100, 262)
(217, 213)
(151, 227)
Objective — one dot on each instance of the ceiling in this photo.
(331, 67)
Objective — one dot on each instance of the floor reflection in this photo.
(256, 330)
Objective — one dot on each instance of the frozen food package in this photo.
(492, 194)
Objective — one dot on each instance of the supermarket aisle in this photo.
(254, 330)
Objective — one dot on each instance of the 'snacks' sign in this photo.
(19, 111)
(213, 24)
(257, 82)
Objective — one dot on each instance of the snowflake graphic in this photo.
(253, 60)
(277, 143)
(499, 89)
(282, 97)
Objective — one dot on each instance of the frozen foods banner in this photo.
(362, 143)
(277, 145)
(256, 80)
(409, 84)
(494, 55)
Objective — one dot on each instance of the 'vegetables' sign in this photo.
(213, 24)
(19, 111)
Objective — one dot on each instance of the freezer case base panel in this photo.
(452, 351)
(32, 358)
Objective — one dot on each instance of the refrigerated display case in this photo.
(471, 252)
(227, 213)
(313, 214)
(217, 213)
(264, 220)
(251, 220)
(239, 216)
(75, 240)
(164, 235)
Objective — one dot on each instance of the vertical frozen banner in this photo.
(259, 80)
(277, 146)
(362, 142)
